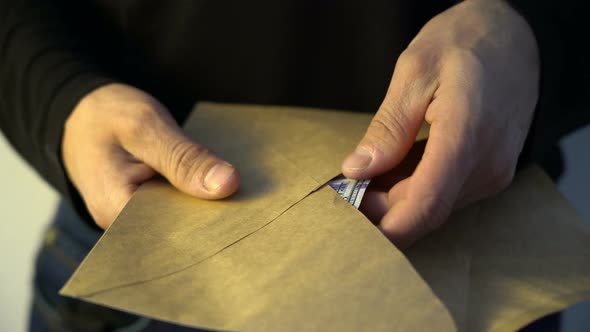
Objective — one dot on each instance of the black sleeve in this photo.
(45, 69)
(561, 30)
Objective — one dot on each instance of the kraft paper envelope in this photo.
(286, 253)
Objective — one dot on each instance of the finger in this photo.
(118, 181)
(374, 205)
(426, 199)
(189, 166)
(398, 192)
(484, 183)
(393, 130)
(399, 189)
(384, 190)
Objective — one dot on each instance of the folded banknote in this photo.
(351, 190)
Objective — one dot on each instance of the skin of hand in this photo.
(118, 137)
(472, 73)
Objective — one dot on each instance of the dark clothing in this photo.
(328, 53)
(323, 53)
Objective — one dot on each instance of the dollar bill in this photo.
(351, 190)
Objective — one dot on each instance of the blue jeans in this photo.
(67, 241)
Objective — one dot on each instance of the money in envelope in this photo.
(350, 190)
(287, 253)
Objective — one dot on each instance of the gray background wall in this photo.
(26, 205)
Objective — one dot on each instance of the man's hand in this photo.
(118, 137)
(472, 73)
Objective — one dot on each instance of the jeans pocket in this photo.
(57, 260)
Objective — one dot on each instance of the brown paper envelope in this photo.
(237, 264)
(525, 252)
(283, 155)
(314, 268)
(270, 147)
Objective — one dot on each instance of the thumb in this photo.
(192, 168)
(394, 128)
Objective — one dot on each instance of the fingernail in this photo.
(217, 176)
(359, 159)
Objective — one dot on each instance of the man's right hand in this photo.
(118, 137)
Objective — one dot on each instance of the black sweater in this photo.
(323, 53)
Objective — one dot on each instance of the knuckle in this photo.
(460, 56)
(137, 117)
(435, 212)
(102, 223)
(413, 62)
(464, 65)
(185, 159)
(98, 213)
(503, 179)
(501, 174)
(390, 128)
(106, 210)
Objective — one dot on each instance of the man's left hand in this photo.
(472, 73)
